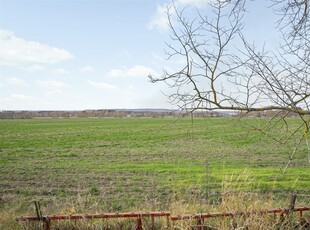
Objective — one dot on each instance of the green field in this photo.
(115, 164)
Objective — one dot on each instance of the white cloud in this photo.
(87, 69)
(102, 85)
(20, 97)
(52, 87)
(136, 71)
(16, 51)
(159, 20)
(35, 68)
(130, 92)
(196, 3)
(51, 84)
(16, 81)
(116, 73)
(18, 101)
(158, 57)
(124, 54)
(60, 71)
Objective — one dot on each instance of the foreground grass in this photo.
(114, 165)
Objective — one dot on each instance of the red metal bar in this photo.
(232, 214)
(96, 216)
(200, 217)
(160, 214)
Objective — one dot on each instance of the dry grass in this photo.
(229, 200)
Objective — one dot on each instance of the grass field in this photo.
(115, 164)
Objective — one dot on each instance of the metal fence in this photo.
(45, 221)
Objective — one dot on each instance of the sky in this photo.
(91, 54)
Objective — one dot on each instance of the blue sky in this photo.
(91, 54)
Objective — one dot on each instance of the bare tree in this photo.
(222, 70)
(294, 17)
(205, 44)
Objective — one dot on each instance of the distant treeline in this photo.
(28, 114)
(24, 114)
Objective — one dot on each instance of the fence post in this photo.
(40, 217)
(292, 202)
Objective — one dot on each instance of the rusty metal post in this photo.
(47, 224)
(200, 223)
(282, 216)
(172, 224)
(168, 220)
(139, 223)
(153, 222)
(107, 224)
